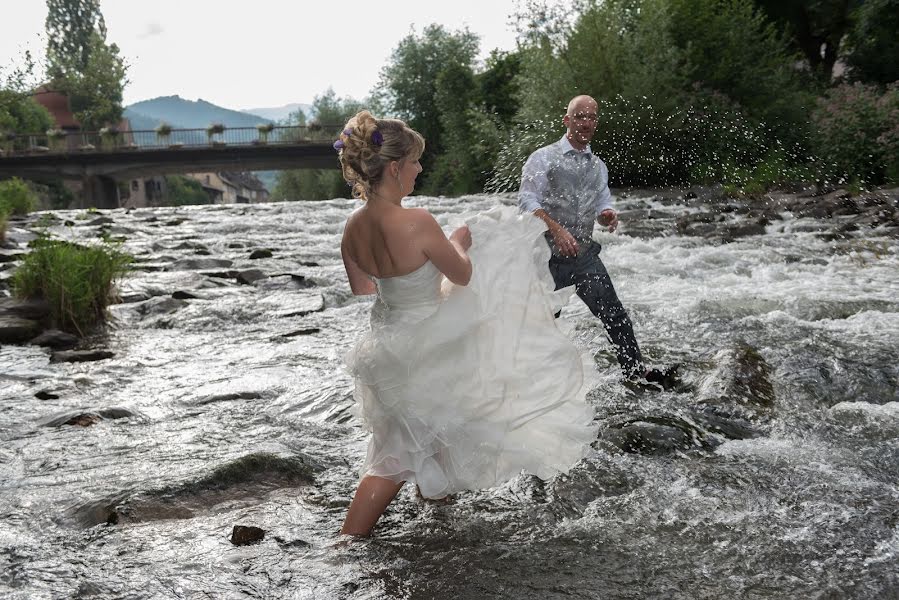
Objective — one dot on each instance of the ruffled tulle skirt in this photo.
(470, 390)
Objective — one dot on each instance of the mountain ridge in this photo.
(181, 113)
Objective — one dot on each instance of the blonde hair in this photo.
(363, 160)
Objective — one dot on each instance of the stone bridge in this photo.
(100, 159)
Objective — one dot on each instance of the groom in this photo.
(567, 186)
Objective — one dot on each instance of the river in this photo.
(769, 471)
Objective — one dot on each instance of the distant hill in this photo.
(279, 113)
(186, 114)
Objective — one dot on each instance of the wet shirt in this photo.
(571, 186)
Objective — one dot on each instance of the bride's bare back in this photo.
(384, 240)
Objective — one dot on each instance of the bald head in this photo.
(580, 120)
(579, 103)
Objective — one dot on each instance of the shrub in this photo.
(16, 198)
(3, 221)
(182, 190)
(857, 134)
(76, 281)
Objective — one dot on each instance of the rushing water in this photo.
(232, 408)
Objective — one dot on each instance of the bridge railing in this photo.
(68, 142)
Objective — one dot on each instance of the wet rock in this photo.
(56, 339)
(309, 263)
(243, 535)
(299, 332)
(88, 418)
(15, 330)
(160, 306)
(99, 221)
(46, 395)
(80, 355)
(8, 257)
(200, 264)
(732, 232)
(306, 304)
(220, 274)
(298, 543)
(249, 276)
(287, 281)
(83, 420)
(655, 435)
(182, 295)
(134, 297)
(228, 397)
(262, 253)
(35, 310)
(741, 376)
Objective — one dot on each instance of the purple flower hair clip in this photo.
(339, 145)
(377, 138)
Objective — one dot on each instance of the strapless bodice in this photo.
(419, 288)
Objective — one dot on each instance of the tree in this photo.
(19, 113)
(82, 65)
(816, 28)
(873, 43)
(95, 94)
(71, 29)
(318, 184)
(408, 85)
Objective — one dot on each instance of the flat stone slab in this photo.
(80, 355)
(16, 330)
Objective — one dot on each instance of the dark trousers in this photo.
(594, 286)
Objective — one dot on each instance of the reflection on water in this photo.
(770, 471)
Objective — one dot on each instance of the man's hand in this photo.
(609, 218)
(564, 241)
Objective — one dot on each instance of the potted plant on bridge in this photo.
(163, 131)
(213, 130)
(264, 129)
(56, 139)
(7, 140)
(110, 137)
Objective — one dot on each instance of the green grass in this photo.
(78, 282)
(16, 198)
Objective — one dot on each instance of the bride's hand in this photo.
(462, 236)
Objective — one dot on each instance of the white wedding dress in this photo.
(464, 387)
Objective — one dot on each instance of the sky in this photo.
(259, 53)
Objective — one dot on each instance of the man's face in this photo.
(581, 122)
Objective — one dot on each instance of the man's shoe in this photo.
(666, 378)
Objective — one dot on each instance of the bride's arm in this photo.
(450, 256)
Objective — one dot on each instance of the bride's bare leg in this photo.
(371, 500)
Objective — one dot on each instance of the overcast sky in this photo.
(259, 53)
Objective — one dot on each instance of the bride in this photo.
(464, 379)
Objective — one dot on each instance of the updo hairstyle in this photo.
(369, 145)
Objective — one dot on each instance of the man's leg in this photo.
(594, 287)
(562, 270)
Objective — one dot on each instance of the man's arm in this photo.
(530, 196)
(606, 215)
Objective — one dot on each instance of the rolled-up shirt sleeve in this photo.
(533, 183)
(603, 195)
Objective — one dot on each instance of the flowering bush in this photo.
(857, 134)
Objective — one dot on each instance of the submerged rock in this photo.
(741, 376)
